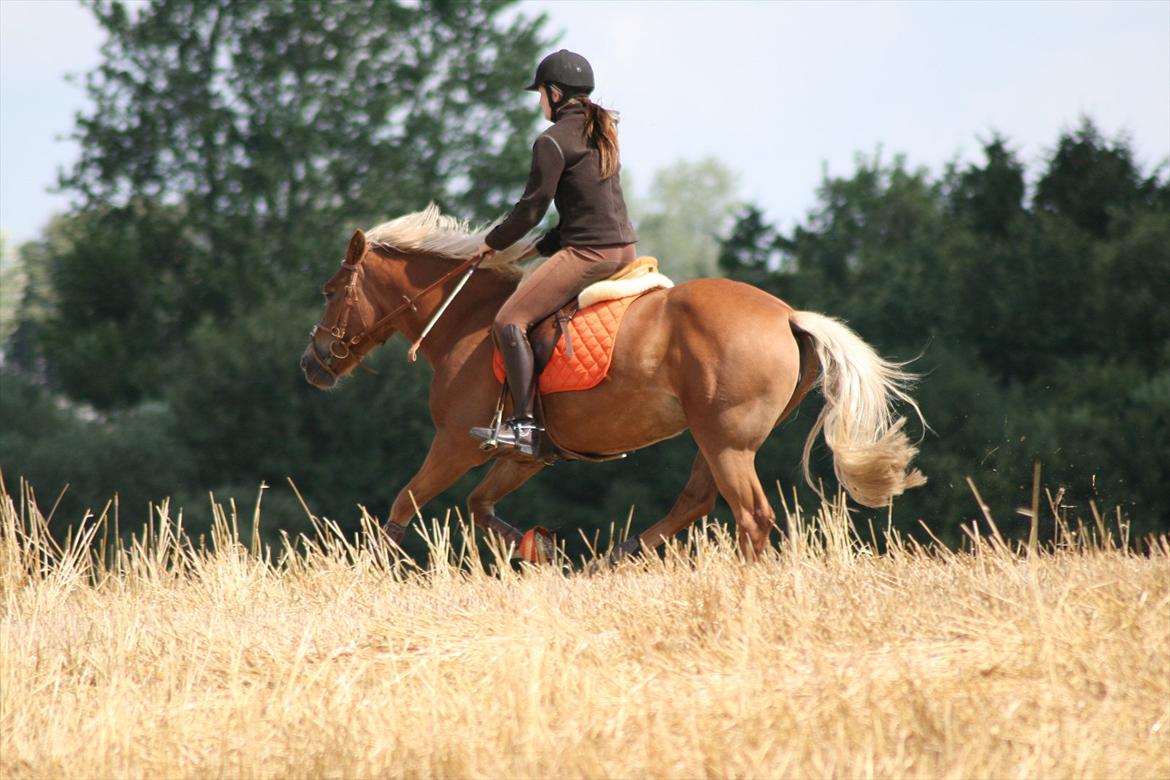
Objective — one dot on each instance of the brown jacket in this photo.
(568, 170)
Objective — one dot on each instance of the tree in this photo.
(690, 205)
(231, 149)
(1090, 181)
(750, 253)
(117, 300)
(267, 112)
(990, 198)
(12, 282)
(233, 145)
(1041, 329)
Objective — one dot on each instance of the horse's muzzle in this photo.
(314, 373)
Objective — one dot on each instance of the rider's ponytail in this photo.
(601, 132)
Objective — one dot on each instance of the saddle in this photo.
(573, 347)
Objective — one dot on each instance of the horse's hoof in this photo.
(630, 548)
(394, 532)
(508, 535)
(537, 546)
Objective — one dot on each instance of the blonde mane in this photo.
(431, 232)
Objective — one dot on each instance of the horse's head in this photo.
(341, 338)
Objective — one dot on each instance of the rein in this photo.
(341, 347)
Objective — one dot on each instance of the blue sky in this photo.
(780, 91)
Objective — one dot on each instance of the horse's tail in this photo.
(871, 453)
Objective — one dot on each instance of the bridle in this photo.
(343, 346)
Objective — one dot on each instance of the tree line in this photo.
(1035, 306)
(233, 146)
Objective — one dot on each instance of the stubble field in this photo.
(161, 659)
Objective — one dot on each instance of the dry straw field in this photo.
(164, 659)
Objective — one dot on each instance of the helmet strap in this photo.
(567, 96)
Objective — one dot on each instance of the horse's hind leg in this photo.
(735, 474)
(697, 499)
(729, 438)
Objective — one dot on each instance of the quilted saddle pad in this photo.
(593, 332)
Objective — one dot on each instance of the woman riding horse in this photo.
(576, 164)
(721, 359)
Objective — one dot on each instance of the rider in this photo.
(576, 164)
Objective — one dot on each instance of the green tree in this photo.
(23, 343)
(1041, 328)
(690, 205)
(1091, 182)
(990, 197)
(231, 148)
(233, 145)
(111, 302)
(750, 252)
(13, 279)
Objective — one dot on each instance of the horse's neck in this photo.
(469, 314)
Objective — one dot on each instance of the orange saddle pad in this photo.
(593, 332)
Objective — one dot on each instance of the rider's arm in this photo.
(550, 243)
(547, 165)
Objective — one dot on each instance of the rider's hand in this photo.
(484, 252)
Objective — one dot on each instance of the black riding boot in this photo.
(520, 431)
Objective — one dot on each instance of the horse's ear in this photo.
(357, 248)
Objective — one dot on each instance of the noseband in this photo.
(342, 347)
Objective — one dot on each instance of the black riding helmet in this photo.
(569, 72)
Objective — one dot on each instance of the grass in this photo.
(331, 658)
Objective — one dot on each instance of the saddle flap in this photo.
(544, 336)
(573, 348)
(592, 333)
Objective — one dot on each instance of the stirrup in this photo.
(521, 434)
(489, 437)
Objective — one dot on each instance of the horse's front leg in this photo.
(505, 475)
(450, 457)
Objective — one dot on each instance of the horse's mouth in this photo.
(315, 375)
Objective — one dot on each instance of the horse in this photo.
(723, 359)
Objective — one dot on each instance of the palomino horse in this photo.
(724, 359)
